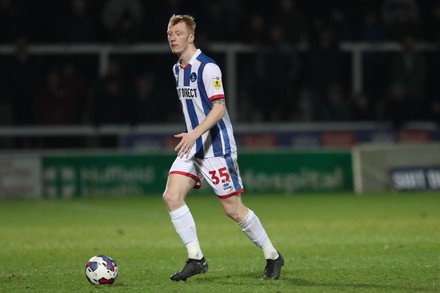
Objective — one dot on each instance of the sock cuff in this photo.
(247, 219)
(180, 212)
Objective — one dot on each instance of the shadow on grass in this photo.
(248, 279)
(354, 286)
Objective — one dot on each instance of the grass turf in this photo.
(331, 243)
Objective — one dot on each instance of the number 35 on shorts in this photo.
(219, 176)
(225, 177)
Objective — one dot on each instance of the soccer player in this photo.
(206, 151)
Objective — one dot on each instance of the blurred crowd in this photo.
(279, 82)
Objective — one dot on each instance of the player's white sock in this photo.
(185, 226)
(194, 250)
(253, 228)
(269, 251)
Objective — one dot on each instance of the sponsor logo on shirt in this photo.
(187, 93)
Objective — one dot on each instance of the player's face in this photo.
(179, 37)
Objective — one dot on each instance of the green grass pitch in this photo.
(331, 243)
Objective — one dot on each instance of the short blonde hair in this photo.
(187, 19)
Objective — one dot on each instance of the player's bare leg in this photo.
(176, 190)
(252, 227)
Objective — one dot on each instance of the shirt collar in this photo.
(191, 61)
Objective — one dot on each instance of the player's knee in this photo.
(173, 199)
(232, 213)
(169, 197)
(235, 210)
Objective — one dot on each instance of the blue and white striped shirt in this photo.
(198, 84)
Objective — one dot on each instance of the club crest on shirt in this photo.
(217, 83)
(193, 77)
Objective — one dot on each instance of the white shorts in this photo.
(222, 173)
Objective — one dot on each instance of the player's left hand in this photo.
(185, 145)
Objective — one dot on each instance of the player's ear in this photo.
(191, 38)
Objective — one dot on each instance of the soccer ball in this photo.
(101, 269)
